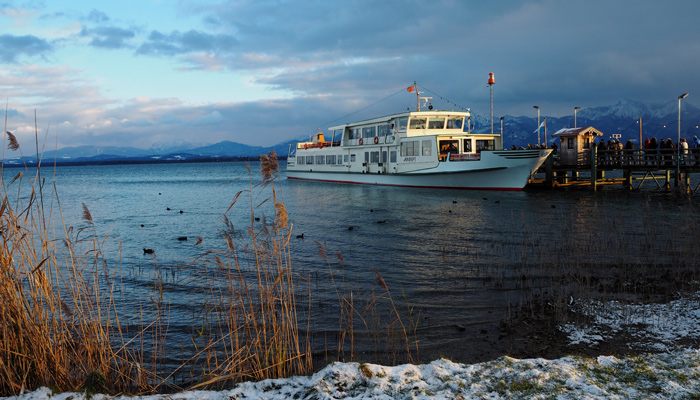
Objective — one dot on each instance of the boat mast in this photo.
(415, 89)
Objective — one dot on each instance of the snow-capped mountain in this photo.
(658, 120)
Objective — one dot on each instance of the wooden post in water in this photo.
(667, 185)
(594, 164)
(627, 174)
(549, 170)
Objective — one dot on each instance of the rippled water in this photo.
(459, 260)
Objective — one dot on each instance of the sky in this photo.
(152, 72)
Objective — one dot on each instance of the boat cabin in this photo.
(395, 143)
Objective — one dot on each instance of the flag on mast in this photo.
(539, 127)
(410, 88)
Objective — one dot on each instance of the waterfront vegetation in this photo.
(63, 326)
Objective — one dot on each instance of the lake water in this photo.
(461, 261)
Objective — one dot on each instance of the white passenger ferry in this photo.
(429, 149)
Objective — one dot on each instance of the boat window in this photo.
(320, 159)
(427, 146)
(403, 122)
(436, 123)
(355, 133)
(383, 130)
(352, 158)
(345, 158)
(374, 157)
(449, 146)
(392, 156)
(369, 131)
(340, 159)
(409, 149)
(300, 160)
(467, 146)
(309, 160)
(484, 145)
(417, 123)
(455, 122)
(330, 159)
(366, 156)
(384, 156)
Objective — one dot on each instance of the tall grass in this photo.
(62, 324)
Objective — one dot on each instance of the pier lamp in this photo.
(678, 147)
(575, 109)
(502, 144)
(538, 124)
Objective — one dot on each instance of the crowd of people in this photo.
(655, 152)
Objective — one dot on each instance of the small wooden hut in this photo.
(575, 145)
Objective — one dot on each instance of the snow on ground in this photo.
(673, 374)
(653, 326)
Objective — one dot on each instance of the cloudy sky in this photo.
(258, 72)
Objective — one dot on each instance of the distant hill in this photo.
(658, 120)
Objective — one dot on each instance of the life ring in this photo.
(360, 141)
(376, 140)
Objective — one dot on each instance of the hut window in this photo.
(586, 143)
(570, 143)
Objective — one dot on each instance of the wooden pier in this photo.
(665, 168)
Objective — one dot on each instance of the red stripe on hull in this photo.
(414, 186)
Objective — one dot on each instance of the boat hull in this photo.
(497, 170)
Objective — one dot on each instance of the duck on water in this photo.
(421, 148)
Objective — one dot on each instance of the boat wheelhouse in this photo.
(433, 149)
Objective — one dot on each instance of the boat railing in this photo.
(317, 145)
(461, 157)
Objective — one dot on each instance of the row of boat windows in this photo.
(338, 159)
(415, 123)
(408, 149)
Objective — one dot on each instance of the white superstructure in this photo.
(433, 149)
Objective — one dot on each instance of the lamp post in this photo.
(575, 109)
(538, 124)
(502, 133)
(678, 144)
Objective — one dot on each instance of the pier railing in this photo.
(645, 159)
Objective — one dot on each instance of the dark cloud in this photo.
(192, 41)
(97, 16)
(109, 37)
(11, 47)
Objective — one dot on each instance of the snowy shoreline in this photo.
(670, 375)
